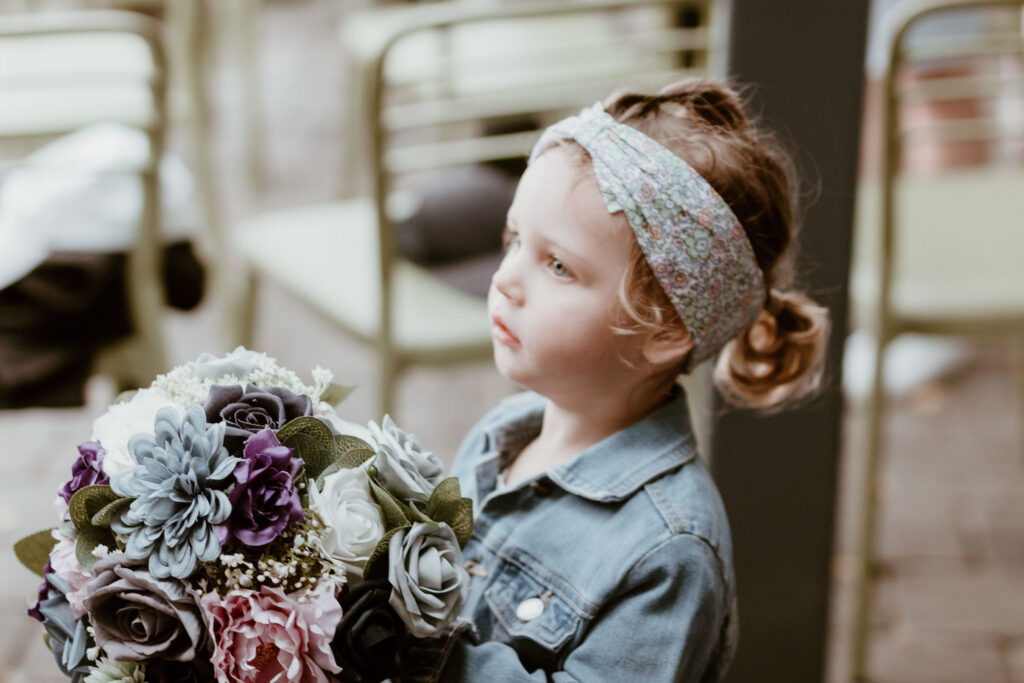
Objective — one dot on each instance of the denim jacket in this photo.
(614, 566)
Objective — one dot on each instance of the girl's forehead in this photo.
(558, 190)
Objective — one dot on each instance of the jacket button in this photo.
(530, 609)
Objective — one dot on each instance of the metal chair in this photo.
(941, 247)
(429, 79)
(61, 72)
(185, 33)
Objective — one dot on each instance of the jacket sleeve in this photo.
(665, 624)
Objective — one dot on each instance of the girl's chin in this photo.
(508, 369)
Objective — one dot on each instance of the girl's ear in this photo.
(668, 347)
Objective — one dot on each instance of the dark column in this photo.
(804, 59)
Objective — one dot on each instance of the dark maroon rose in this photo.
(87, 470)
(264, 500)
(247, 411)
(165, 671)
(370, 637)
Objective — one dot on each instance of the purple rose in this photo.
(247, 411)
(43, 593)
(87, 470)
(264, 501)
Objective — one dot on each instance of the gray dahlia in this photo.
(178, 485)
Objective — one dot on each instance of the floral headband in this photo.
(694, 243)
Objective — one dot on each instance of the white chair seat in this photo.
(965, 265)
(338, 242)
(99, 75)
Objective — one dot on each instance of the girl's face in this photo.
(554, 299)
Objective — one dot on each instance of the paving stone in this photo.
(1014, 661)
(918, 522)
(979, 606)
(904, 658)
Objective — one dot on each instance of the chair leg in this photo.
(868, 509)
(388, 380)
(190, 49)
(239, 302)
(244, 23)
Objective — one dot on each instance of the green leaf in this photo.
(462, 522)
(316, 457)
(109, 511)
(355, 457)
(444, 499)
(372, 565)
(447, 505)
(87, 501)
(396, 513)
(344, 442)
(34, 550)
(88, 540)
(310, 426)
(335, 394)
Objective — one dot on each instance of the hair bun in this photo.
(778, 360)
(709, 101)
(715, 104)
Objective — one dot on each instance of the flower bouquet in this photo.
(225, 524)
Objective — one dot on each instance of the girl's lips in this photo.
(501, 333)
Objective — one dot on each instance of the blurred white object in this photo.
(82, 192)
(911, 361)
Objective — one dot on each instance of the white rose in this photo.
(239, 363)
(354, 521)
(121, 422)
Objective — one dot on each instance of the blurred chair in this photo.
(61, 72)
(940, 237)
(186, 34)
(440, 86)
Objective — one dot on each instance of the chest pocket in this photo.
(539, 623)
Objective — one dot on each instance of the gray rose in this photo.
(427, 579)
(403, 467)
(68, 637)
(137, 616)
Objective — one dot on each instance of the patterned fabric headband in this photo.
(691, 238)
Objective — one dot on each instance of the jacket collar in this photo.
(612, 469)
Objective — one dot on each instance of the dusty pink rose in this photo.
(268, 635)
(65, 565)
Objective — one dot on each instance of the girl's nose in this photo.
(507, 282)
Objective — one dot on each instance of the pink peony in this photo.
(270, 636)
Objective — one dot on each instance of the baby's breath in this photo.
(294, 560)
(183, 387)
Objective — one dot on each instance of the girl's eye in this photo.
(560, 269)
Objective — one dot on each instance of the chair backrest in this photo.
(60, 72)
(953, 95)
(954, 82)
(462, 83)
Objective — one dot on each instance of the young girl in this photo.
(645, 237)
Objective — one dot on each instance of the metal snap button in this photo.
(530, 609)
